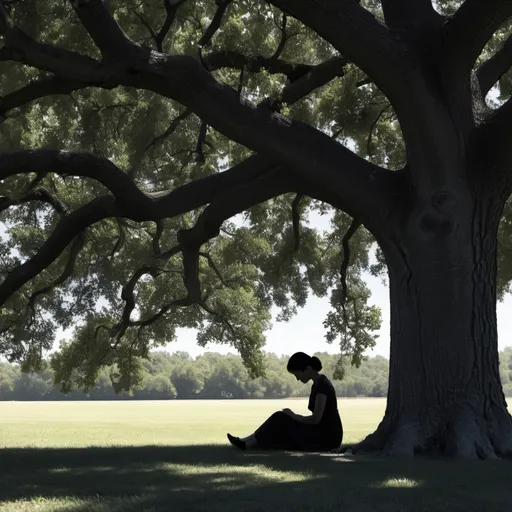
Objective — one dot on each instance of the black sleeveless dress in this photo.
(281, 432)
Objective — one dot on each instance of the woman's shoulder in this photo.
(324, 382)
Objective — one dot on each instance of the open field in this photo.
(156, 456)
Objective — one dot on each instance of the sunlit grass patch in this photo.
(233, 477)
(405, 483)
(72, 504)
(200, 422)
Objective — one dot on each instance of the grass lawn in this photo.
(159, 456)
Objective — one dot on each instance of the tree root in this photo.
(460, 433)
(405, 438)
(467, 437)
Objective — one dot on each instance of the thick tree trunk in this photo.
(445, 394)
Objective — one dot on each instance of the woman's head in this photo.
(304, 367)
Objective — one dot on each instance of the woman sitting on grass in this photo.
(285, 430)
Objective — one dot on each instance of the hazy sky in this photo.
(306, 332)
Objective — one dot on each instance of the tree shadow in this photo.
(221, 478)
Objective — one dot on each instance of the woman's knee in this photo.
(278, 417)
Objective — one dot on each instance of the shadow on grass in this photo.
(211, 478)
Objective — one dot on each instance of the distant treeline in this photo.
(213, 376)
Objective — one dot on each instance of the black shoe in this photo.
(236, 441)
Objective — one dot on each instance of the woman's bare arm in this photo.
(315, 418)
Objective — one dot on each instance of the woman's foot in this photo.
(236, 441)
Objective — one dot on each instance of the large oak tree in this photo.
(133, 131)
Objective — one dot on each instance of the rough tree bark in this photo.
(445, 393)
(440, 243)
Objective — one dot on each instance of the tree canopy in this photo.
(161, 158)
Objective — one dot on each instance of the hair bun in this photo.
(316, 364)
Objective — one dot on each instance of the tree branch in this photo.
(296, 232)
(221, 317)
(128, 295)
(39, 177)
(103, 28)
(372, 128)
(152, 319)
(41, 194)
(356, 34)
(468, 31)
(22, 48)
(130, 200)
(86, 165)
(222, 5)
(303, 78)
(141, 206)
(6, 22)
(316, 77)
(272, 183)
(67, 229)
(494, 140)
(415, 16)
(74, 251)
(230, 192)
(212, 265)
(296, 221)
(314, 156)
(240, 87)
(365, 81)
(203, 131)
(149, 28)
(354, 226)
(171, 9)
(284, 38)
(156, 239)
(120, 239)
(172, 128)
(495, 67)
(38, 89)
(183, 78)
(254, 64)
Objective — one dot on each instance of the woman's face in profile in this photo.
(301, 375)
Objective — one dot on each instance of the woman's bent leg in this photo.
(279, 432)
